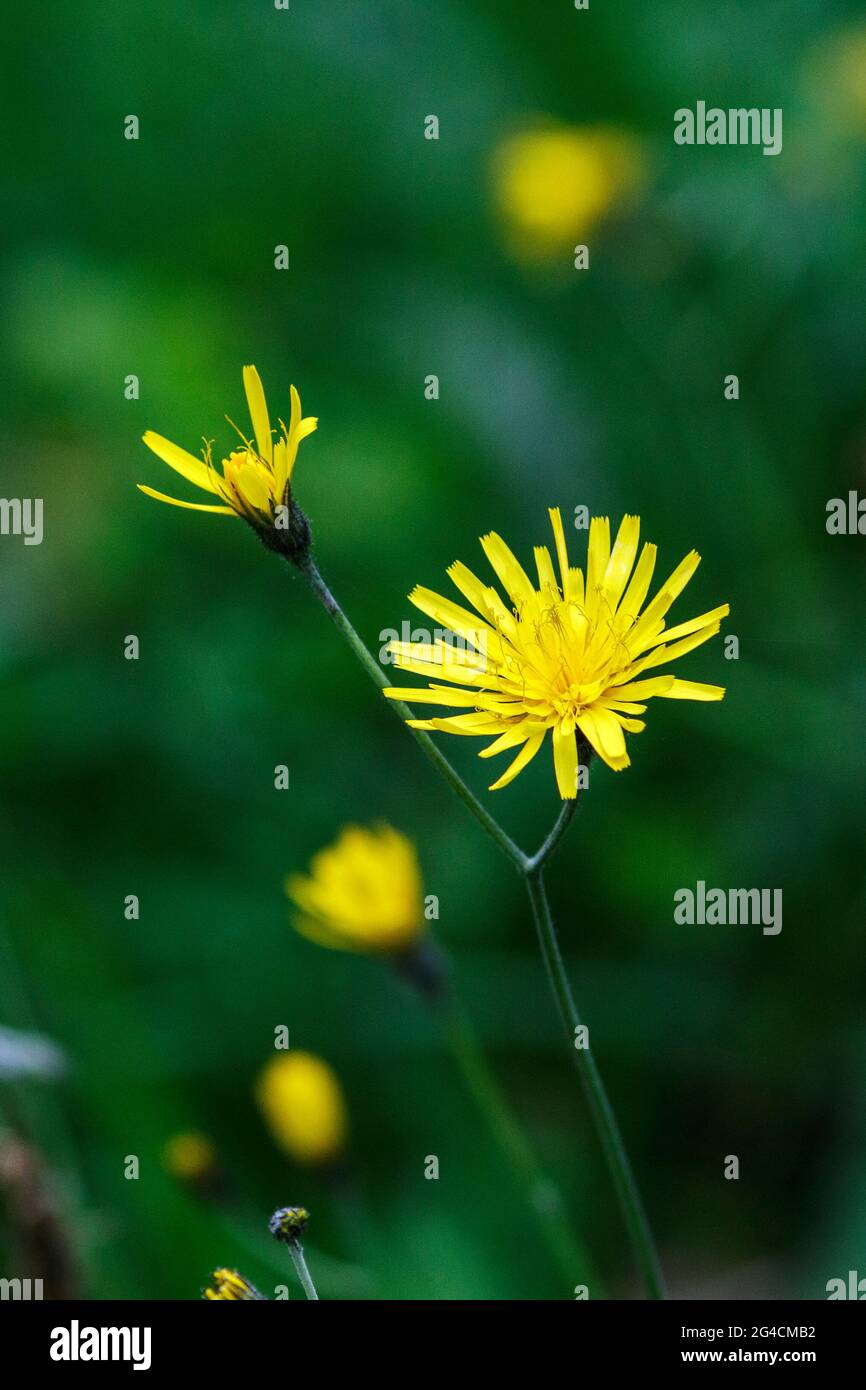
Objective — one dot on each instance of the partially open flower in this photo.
(302, 1102)
(231, 1287)
(568, 655)
(363, 893)
(254, 481)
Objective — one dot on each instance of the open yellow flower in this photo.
(560, 657)
(302, 1102)
(363, 893)
(255, 478)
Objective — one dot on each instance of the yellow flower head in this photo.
(189, 1156)
(302, 1102)
(255, 478)
(231, 1287)
(363, 893)
(552, 184)
(563, 656)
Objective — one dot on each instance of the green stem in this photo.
(545, 1198)
(531, 869)
(599, 1105)
(310, 571)
(543, 856)
(301, 1270)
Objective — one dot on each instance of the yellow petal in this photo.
(692, 690)
(511, 574)
(565, 763)
(561, 548)
(598, 554)
(471, 724)
(670, 590)
(632, 599)
(604, 732)
(281, 468)
(662, 655)
(622, 558)
(544, 566)
(295, 417)
(684, 629)
(421, 696)
(189, 467)
(252, 484)
(308, 426)
(258, 409)
(526, 754)
(509, 739)
(642, 690)
(452, 616)
(633, 726)
(190, 506)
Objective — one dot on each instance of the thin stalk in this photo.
(600, 1107)
(545, 1198)
(301, 1270)
(531, 869)
(563, 821)
(310, 571)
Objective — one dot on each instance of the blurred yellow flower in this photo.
(363, 893)
(231, 1287)
(302, 1102)
(553, 183)
(190, 1156)
(561, 657)
(255, 478)
(836, 76)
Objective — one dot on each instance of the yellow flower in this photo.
(255, 478)
(302, 1102)
(189, 1156)
(363, 893)
(564, 656)
(836, 77)
(552, 184)
(232, 1288)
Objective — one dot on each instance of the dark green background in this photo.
(155, 777)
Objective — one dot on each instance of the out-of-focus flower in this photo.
(553, 183)
(302, 1102)
(255, 478)
(836, 77)
(231, 1287)
(363, 893)
(30, 1054)
(560, 657)
(190, 1156)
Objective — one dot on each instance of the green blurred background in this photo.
(557, 387)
